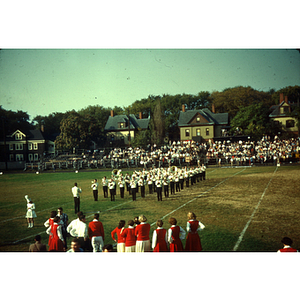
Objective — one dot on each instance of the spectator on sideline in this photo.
(120, 240)
(76, 191)
(193, 242)
(159, 238)
(142, 233)
(75, 246)
(96, 234)
(287, 245)
(37, 246)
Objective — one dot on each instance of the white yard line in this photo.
(253, 213)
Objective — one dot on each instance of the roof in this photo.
(34, 134)
(275, 110)
(135, 123)
(213, 119)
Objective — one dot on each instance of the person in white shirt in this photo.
(94, 186)
(105, 186)
(81, 232)
(30, 214)
(76, 191)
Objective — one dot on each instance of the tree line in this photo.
(247, 108)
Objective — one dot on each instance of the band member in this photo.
(112, 189)
(142, 186)
(133, 187)
(166, 186)
(94, 186)
(121, 183)
(158, 184)
(105, 187)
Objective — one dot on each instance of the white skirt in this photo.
(130, 249)
(142, 246)
(121, 247)
(30, 214)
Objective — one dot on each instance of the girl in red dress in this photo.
(175, 235)
(49, 223)
(159, 238)
(120, 240)
(57, 241)
(193, 242)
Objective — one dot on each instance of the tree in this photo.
(158, 123)
(292, 92)
(253, 120)
(51, 122)
(231, 100)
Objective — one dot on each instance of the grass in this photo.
(224, 203)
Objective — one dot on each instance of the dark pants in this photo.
(166, 190)
(105, 191)
(172, 185)
(133, 192)
(112, 194)
(122, 192)
(143, 191)
(95, 194)
(159, 193)
(77, 204)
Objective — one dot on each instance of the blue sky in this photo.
(41, 81)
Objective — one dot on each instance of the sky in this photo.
(43, 81)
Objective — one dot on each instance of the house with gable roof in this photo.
(24, 146)
(202, 124)
(121, 129)
(281, 114)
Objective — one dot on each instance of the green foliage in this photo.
(293, 93)
(51, 122)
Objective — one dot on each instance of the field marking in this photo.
(200, 195)
(253, 213)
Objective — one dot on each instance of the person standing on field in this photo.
(129, 235)
(96, 234)
(142, 233)
(76, 191)
(287, 245)
(94, 186)
(105, 186)
(30, 214)
(193, 242)
(159, 238)
(175, 235)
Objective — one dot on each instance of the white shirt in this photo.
(81, 230)
(59, 233)
(154, 237)
(75, 191)
(181, 234)
(188, 226)
(94, 186)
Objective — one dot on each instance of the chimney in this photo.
(286, 99)
(183, 108)
(213, 108)
(111, 113)
(42, 128)
(281, 98)
(140, 115)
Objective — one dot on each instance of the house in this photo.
(121, 129)
(202, 124)
(24, 146)
(281, 114)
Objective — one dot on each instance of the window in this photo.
(30, 157)
(11, 146)
(207, 131)
(11, 157)
(30, 146)
(35, 146)
(187, 132)
(19, 146)
(19, 157)
(290, 123)
(36, 156)
(198, 119)
(198, 132)
(18, 136)
(121, 125)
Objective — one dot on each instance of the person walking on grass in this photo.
(120, 240)
(159, 238)
(30, 214)
(175, 235)
(193, 242)
(76, 194)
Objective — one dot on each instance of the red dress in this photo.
(176, 245)
(161, 245)
(50, 235)
(193, 242)
(56, 243)
(288, 249)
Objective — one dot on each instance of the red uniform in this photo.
(288, 249)
(161, 244)
(50, 236)
(129, 235)
(176, 245)
(142, 232)
(56, 243)
(118, 232)
(193, 242)
(96, 229)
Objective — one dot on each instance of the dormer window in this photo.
(198, 119)
(18, 136)
(121, 125)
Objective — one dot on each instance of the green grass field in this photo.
(265, 197)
